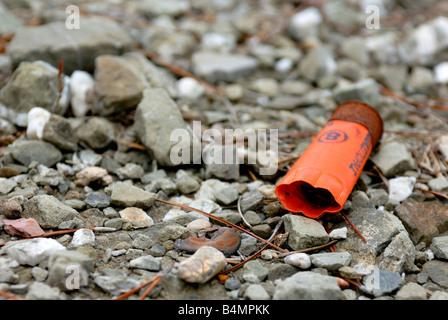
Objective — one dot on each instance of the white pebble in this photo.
(218, 42)
(441, 72)
(32, 252)
(340, 233)
(203, 265)
(400, 188)
(300, 260)
(199, 224)
(305, 23)
(37, 118)
(136, 217)
(81, 88)
(429, 254)
(283, 65)
(83, 237)
(189, 88)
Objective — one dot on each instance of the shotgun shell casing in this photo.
(323, 177)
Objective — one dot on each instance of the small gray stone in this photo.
(222, 170)
(9, 22)
(383, 282)
(59, 132)
(399, 255)
(307, 285)
(42, 291)
(256, 292)
(96, 132)
(126, 195)
(214, 66)
(98, 200)
(48, 211)
(254, 272)
(360, 199)
(156, 119)
(439, 246)
(64, 264)
(39, 274)
(130, 171)
(7, 185)
(147, 262)
(252, 201)
(364, 90)
(437, 271)
(439, 184)
(32, 251)
(142, 242)
(394, 158)
(187, 184)
(229, 215)
(78, 48)
(252, 217)
(331, 260)
(439, 295)
(119, 84)
(378, 197)
(34, 84)
(232, 284)
(116, 283)
(115, 223)
(226, 196)
(304, 232)
(317, 63)
(411, 291)
(26, 151)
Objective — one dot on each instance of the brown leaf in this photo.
(227, 240)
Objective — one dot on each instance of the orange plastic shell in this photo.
(323, 177)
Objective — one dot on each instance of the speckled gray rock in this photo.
(394, 158)
(26, 151)
(64, 265)
(34, 84)
(96, 132)
(147, 262)
(307, 285)
(366, 90)
(411, 291)
(125, 195)
(437, 271)
(42, 291)
(156, 118)
(304, 232)
(77, 47)
(214, 66)
(331, 260)
(119, 85)
(48, 211)
(254, 272)
(383, 282)
(317, 63)
(439, 246)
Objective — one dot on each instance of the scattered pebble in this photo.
(300, 260)
(205, 263)
(401, 188)
(136, 217)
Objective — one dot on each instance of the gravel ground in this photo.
(88, 106)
